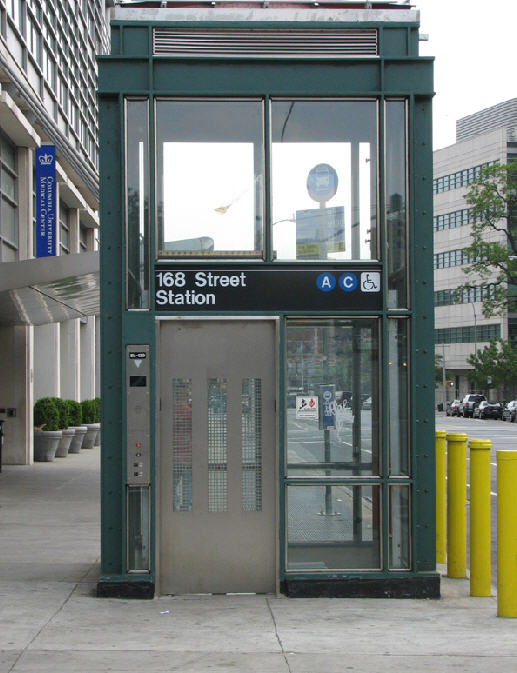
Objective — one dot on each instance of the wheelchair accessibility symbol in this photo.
(371, 281)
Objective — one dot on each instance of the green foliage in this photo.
(493, 200)
(97, 403)
(62, 408)
(75, 413)
(88, 411)
(46, 414)
(495, 366)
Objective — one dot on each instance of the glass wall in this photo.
(396, 203)
(333, 436)
(324, 179)
(333, 365)
(210, 169)
(137, 203)
(345, 538)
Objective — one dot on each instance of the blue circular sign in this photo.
(322, 183)
(348, 282)
(325, 282)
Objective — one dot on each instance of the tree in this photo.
(493, 251)
(495, 366)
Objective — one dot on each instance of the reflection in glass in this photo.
(138, 529)
(209, 178)
(396, 203)
(217, 446)
(251, 437)
(137, 203)
(399, 548)
(349, 539)
(182, 444)
(324, 166)
(398, 402)
(334, 363)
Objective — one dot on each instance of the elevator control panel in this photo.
(138, 414)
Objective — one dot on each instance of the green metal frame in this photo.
(132, 71)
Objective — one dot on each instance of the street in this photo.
(503, 437)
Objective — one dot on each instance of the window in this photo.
(9, 202)
(459, 179)
(137, 203)
(210, 178)
(324, 190)
(64, 229)
(468, 334)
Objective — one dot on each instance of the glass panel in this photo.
(138, 529)
(210, 175)
(332, 397)
(399, 547)
(324, 164)
(396, 203)
(398, 402)
(333, 527)
(8, 222)
(137, 205)
(251, 424)
(8, 184)
(182, 444)
(217, 446)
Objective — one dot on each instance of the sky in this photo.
(473, 42)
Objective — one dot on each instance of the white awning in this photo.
(49, 289)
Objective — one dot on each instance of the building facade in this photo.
(48, 329)
(482, 138)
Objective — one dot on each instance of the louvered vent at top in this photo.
(333, 43)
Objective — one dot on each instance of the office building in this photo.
(48, 328)
(485, 137)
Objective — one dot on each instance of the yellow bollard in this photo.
(506, 534)
(441, 515)
(480, 517)
(457, 504)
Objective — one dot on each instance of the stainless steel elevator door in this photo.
(217, 462)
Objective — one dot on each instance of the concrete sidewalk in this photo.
(51, 622)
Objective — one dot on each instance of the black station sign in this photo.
(267, 289)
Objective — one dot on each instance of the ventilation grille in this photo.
(344, 43)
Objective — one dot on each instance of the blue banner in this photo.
(46, 201)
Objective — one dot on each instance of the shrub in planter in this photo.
(46, 430)
(75, 416)
(64, 422)
(88, 408)
(46, 414)
(88, 411)
(75, 413)
(62, 408)
(97, 404)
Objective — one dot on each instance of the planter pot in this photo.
(45, 445)
(64, 443)
(91, 434)
(77, 439)
(98, 436)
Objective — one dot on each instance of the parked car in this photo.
(453, 408)
(486, 409)
(469, 402)
(510, 411)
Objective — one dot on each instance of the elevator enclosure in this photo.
(267, 302)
